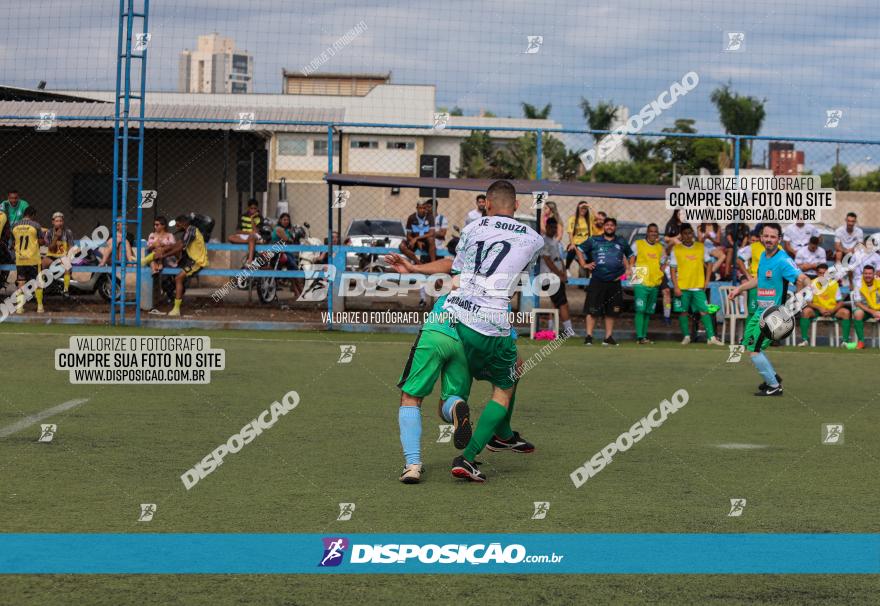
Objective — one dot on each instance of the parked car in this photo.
(372, 232)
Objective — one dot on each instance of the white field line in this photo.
(36, 418)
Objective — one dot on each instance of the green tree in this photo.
(533, 113)
(838, 178)
(477, 156)
(739, 114)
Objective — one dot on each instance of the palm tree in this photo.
(600, 117)
(533, 113)
(739, 114)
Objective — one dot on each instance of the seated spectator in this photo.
(866, 298)
(734, 242)
(324, 257)
(671, 233)
(59, 240)
(710, 235)
(159, 240)
(284, 233)
(846, 237)
(248, 229)
(550, 211)
(123, 248)
(479, 212)
(578, 230)
(551, 263)
(810, 257)
(441, 225)
(824, 303)
(13, 206)
(419, 234)
(797, 236)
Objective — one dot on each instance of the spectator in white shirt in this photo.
(810, 256)
(441, 225)
(479, 212)
(796, 236)
(846, 237)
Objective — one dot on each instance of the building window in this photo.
(240, 63)
(319, 147)
(400, 145)
(239, 87)
(292, 145)
(364, 144)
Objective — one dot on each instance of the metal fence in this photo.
(214, 166)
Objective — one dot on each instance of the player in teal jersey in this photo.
(775, 271)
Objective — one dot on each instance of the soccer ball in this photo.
(777, 322)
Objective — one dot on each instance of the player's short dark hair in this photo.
(852, 214)
(30, 211)
(552, 219)
(871, 267)
(775, 226)
(161, 219)
(650, 225)
(610, 220)
(12, 191)
(685, 227)
(253, 202)
(431, 202)
(822, 266)
(815, 240)
(481, 197)
(502, 193)
(182, 219)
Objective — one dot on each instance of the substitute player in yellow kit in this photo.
(825, 303)
(867, 302)
(646, 279)
(690, 277)
(27, 240)
(59, 241)
(195, 257)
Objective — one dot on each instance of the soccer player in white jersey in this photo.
(491, 255)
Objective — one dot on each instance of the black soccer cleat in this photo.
(609, 341)
(770, 391)
(461, 420)
(462, 468)
(588, 340)
(514, 444)
(763, 386)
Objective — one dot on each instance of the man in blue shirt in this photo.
(607, 257)
(775, 271)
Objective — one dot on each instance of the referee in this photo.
(607, 257)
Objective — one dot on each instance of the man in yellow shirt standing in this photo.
(867, 299)
(27, 237)
(646, 277)
(690, 276)
(825, 302)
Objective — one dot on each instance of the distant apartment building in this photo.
(216, 66)
(785, 159)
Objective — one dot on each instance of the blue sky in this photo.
(804, 57)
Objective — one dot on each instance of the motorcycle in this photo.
(96, 282)
(306, 289)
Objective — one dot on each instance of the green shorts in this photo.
(435, 355)
(752, 300)
(645, 298)
(753, 338)
(690, 300)
(490, 359)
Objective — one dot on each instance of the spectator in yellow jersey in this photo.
(647, 275)
(690, 277)
(866, 297)
(248, 229)
(59, 241)
(27, 237)
(578, 231)
(193, 256)
(826, 303)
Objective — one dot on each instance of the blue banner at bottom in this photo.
(440, 553)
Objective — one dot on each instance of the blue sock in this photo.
(410, 420)
(447, 407)
(765, 368)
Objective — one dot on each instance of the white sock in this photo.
(566, 324)
(423, 295)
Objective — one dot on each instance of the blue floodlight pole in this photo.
(331, 257)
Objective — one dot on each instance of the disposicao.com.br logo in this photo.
(431, 553)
